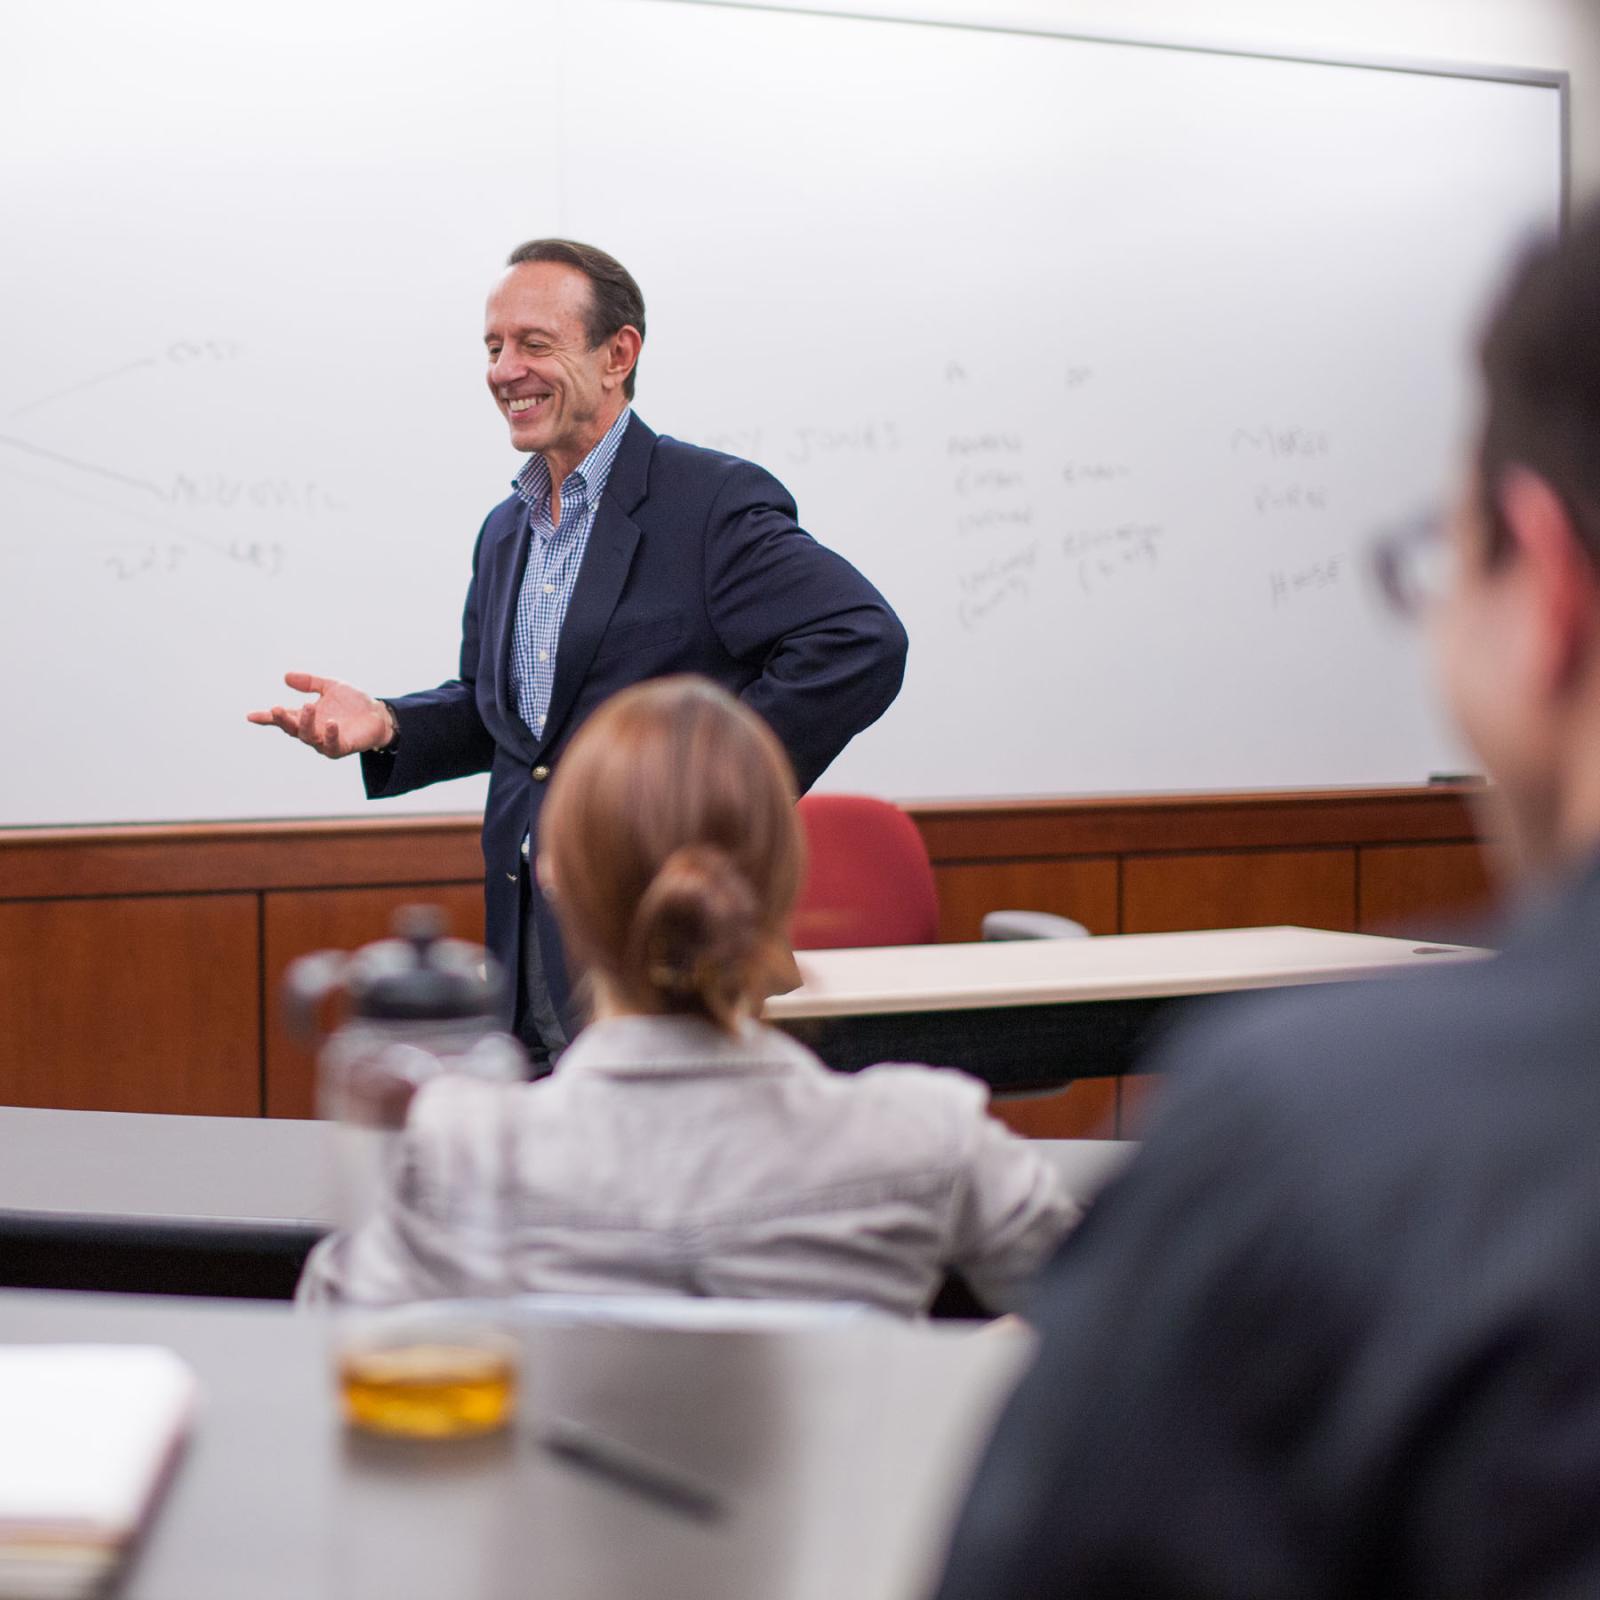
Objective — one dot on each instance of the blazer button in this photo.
(540, 773)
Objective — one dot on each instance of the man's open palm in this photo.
(339, 722)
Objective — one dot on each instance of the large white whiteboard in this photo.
(1102, 360)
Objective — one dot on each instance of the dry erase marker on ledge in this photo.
(1474, 779)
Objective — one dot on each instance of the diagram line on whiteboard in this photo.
(87, 383)
(85, 466)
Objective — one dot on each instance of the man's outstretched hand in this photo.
(341, 721)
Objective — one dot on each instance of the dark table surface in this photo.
(838, 1451)
(115, 1200)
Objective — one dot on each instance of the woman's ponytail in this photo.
(696, 943)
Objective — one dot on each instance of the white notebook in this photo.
(87, 1433)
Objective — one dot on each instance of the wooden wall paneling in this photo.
(145, 1004)
(1103, 825)
(204, 858)
(1086, 1109)
(296, 922)
(1262, 888)
(1424, 891)
(1085, 890)
(138, 911)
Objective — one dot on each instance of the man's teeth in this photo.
(528, 404)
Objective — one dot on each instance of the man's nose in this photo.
(506, 367)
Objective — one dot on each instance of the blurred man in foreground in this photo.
(1337, 1331)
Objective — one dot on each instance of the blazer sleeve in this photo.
(441, 733)
(831, 651)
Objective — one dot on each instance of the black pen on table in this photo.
(631, 1468)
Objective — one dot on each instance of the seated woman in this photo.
(681, 1147)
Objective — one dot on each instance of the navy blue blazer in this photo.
(695, 564)
(1334, 1331)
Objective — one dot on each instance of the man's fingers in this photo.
(301, 723)
(277, 717)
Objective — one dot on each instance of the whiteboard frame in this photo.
(1555, 78)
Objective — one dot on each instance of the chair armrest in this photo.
(1031, 925)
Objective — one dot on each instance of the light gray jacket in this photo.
(666, 1157)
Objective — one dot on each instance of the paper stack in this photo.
(87, 1435)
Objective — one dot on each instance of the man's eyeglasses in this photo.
(1411, 563)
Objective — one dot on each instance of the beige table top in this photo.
(1020, 972)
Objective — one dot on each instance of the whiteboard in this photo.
(1102, 360)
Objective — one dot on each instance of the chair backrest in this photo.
(868, 877)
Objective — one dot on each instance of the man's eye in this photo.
(494, 352)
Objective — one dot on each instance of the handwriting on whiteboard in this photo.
(1311, 498)
(1103, 555)
(873, 437)
(1280, 442)
(986, 589)
(982, 480)
(217, 491)
(1290, 584)
(1085, 474)
(158, 560)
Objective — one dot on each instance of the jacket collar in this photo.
(665, 1047)
(629, 479)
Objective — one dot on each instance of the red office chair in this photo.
(869, 881)
(868, 877)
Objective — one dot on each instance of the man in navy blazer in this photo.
(623, 555)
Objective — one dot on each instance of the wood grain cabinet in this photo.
(140, 967)
(132, 1004)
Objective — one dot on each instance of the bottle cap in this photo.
(421, 976)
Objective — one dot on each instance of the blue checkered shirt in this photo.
(554, 556)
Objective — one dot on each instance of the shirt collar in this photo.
(532, 484)
(679, 1046)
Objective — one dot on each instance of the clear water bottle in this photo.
(412, 1009)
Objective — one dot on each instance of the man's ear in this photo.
(1558, 579)
(623, 354)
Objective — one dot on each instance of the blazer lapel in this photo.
(511, 562)
(606, 561)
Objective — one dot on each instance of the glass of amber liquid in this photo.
(426, 1375)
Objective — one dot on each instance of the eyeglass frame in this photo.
(1396, 553)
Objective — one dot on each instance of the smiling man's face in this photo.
(557, 394)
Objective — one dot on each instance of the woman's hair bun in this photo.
(697, 935)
